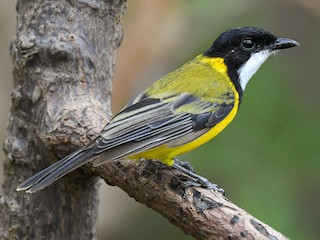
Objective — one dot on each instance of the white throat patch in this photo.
(248, 69)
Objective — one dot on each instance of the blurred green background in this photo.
(267, 160)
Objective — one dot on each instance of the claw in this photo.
(185, 165)
(191, 179)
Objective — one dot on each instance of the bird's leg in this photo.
(194, 180)
(184, 165)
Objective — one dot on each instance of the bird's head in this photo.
(244, 50)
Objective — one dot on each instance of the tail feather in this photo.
(57, 170)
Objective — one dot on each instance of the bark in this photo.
(202, 213)
(63, 56)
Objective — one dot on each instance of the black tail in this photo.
(57, 170)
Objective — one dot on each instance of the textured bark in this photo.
(202, 213)
(63, 56)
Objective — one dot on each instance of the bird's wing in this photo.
(147, 123)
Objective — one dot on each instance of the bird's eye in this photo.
(248, 44)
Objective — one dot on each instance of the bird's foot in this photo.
(191, 179)
(185, 165)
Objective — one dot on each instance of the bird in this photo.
(179, 112)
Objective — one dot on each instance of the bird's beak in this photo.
(282, 43)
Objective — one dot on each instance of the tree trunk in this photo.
(64, 57)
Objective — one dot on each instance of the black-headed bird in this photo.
(179, 112)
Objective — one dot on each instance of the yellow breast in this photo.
(219, 83)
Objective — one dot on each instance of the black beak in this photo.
(282, 43)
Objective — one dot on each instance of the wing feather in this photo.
(156, 122)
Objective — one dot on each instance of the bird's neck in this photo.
(220, 65)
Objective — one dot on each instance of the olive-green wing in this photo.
(149, 123)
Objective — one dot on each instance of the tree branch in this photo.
(202, 213)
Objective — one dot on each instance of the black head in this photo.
(237, 46)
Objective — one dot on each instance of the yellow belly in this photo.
(167, 154)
